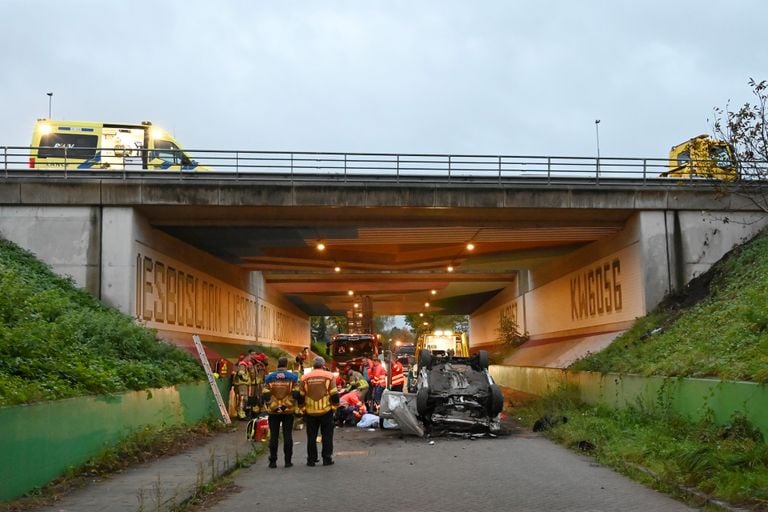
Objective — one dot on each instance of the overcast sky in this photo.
(477, 77)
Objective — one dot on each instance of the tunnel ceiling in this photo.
(397, 256)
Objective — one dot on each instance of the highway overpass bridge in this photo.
(234, 257)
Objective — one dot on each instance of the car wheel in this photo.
(496, 400)
(482, 359)
(425, 359)
(422, 400)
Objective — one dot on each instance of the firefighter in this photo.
(351, 409)
(319, 397)
(301, 358)
(356, 383)
(378, 379)
(279, 396)
(241, 380)
(398, 378)
(257, 371)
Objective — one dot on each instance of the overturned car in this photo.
(457, 394)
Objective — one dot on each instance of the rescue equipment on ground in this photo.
(257, 429)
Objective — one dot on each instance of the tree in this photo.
(746, 131)
(509, 331)
(323, 327)
(319, 329)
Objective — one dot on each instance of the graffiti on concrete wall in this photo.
(173, 296)
(596, 291)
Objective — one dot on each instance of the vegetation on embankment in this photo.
(696, 461)
(716, 327)
(57, 341)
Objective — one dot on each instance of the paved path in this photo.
(521, 472)
(162, 484)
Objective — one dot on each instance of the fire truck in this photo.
(353, 349)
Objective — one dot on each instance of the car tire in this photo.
(482, 359)
(496, 400)
(422, 402)
(425, 359)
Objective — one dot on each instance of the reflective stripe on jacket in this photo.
(318, 392)
(378, 376)
(278, 392)
(397, 373)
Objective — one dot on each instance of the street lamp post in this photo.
(50, 98)
(597, 139)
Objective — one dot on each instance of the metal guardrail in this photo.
(302, 165)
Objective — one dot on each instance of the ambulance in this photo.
(97, 145)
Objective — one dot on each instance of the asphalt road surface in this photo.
(380, 471)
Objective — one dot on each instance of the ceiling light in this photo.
(449, 268)
(433, 292)
(320, 246)
(421, 314)
(356, 304)
(350, 293)
(426, 304)
(337, 269)
(470, 246)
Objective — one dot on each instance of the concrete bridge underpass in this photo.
(574, 261)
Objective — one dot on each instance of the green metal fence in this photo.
(39, 442)
(693, 398)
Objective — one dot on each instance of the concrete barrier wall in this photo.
(39, 442)
(692, 398)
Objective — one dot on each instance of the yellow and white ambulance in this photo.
(97, 145)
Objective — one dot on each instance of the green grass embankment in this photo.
(717, 327)
(57, 341)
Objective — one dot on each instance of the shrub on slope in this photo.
(57, 341)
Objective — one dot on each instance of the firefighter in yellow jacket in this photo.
(319, 399)
(279, 396)
(241, 381)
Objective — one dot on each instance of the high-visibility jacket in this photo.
(355, 380)
(398, 378)
(353, 400)
(350, 400)
(281, 390)
(222, 367)
(378, 375)
(242, 375)
(318, 394)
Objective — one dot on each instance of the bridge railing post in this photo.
(397, 170)
(597, 170)
(499, 169)
(645, 169)
(449, 168)
(345, 167)
(291, 167)
(237, 165)
(5, 160)
(549, 169)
